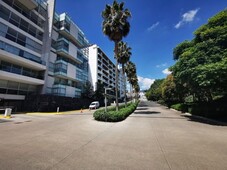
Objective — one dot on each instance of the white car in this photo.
(94, 105)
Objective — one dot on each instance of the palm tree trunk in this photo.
(116, 74)
(131, 91)
(125, 99)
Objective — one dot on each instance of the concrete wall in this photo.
(71, 71)
(74, 30)
(72, 50)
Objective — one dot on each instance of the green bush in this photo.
(115, 116)
(180, 107)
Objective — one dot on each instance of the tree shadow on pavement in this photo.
(147, 112)
(205, 120)
(142, 108)
(143, 105)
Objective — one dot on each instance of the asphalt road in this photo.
(154, 137)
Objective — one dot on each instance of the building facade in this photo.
(41, 52)
(68, 63)
(102, 70)
(24, 26)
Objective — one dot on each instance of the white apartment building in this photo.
(24, 36)
(68, 64)
(40, 52)
(102, 70)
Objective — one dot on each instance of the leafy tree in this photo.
(155, 91)
(99, 92)
(123, 57)
(169, 91)
(116, 26)
(87, 91)
(201, 65)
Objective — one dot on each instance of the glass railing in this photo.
(21, 53)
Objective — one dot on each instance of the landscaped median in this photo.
(115, 116)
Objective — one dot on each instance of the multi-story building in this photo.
(40, 51)
(68, 63)
(102, 70)
(25, 27)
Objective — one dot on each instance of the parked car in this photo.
(94, 105)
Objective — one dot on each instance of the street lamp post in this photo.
(106, 88)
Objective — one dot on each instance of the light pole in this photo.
(106, 88)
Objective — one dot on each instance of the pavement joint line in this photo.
(82, 146)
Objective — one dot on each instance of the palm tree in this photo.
(131, 74)
(124, 54)
(136, 87)
(116, 26)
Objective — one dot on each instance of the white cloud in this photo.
(153, 26)
(161, 65)
(145, 83)
(166, 71)
(187, 17)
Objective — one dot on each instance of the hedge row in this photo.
(115, 116)
(210, 110)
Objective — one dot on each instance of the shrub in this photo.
(180, 107)
(115, 116)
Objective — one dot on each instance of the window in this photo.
(21, 39)
(3, 29)
(5, 66)
(14, 19)
(11, 34)
(13, 85)
(16, 69)
(23, 86)
(3, 84)
(24, 25)
(32, 30)
(4, 13)
(51, 66)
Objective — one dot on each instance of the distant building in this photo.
(102, 70)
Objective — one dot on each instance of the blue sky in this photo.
(157, 26)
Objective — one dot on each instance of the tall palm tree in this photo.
(116, 26)
(124, 54)
(131, 74)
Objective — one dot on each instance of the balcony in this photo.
(64, 52)
(30, 4)
(20, 78)
(63, 31)
(65, 90)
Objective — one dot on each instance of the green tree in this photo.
(87, 91)
(116, 26)
(169, 92)
(124, 54)
(155, 91)
(99, 92)
(201, 65)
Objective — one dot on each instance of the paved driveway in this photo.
(152, 138)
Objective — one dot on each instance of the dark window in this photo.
(4, 13)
